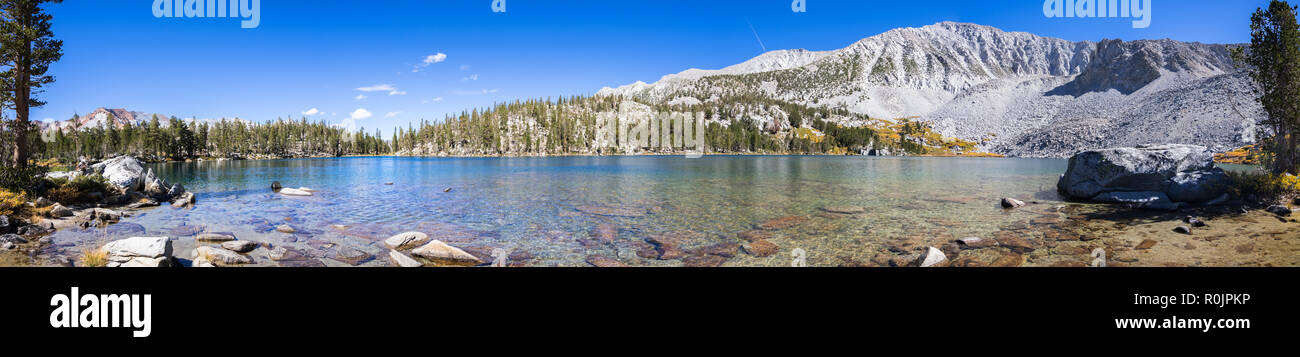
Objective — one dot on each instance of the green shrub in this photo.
(21, 180)
(1264, 185)
(89, 183)
(76, 190)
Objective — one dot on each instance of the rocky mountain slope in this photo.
(1017, 93)
(118, 118)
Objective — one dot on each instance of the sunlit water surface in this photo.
(541, 209)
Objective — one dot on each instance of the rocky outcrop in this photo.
(127, 175)
(139, 252)
(1157, 177)
(125, 172)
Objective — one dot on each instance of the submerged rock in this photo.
(214, 237)
(352, 256)
(604, 262)
(704, 261)
(239, 246)
(220, 256)
(1146, 244)
(975, 243)
(761, 248)
(439, 251)
(605, 232)
(782, 223)
(845, 209)
(1179, 173)
(612, 211)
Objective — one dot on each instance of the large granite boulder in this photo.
(139, 252)
(124, 172)
(1155, 176)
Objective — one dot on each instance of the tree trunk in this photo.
(22, 95)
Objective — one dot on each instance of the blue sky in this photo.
(318, 54)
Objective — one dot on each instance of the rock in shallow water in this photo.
(782, 223)
(239, 246)
(613, 211)
(406, 240)
(975, 243)
(352, 256)
(221, 256)
(1008, 202)
(761, 248)
(704, 261)
(439, 251)
(931, 257)
(402, 260)
(214, 237)
(604, 262)
(1184, 173)
(845, 209)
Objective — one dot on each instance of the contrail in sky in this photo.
(760, 41)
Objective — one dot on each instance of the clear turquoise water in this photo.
(529, 206)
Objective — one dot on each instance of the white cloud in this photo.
(392, 114)
(378, 88)
(435, 58)
(429, 60)
(474, 92)
(360, 97)
(312, 111)
(361, 113)
(464, 67)
(472, 77)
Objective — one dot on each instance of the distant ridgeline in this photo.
(567, 126)
(106, 133)
(750, 124)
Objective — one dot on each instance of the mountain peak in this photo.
(1012, 90)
